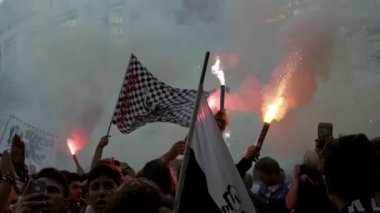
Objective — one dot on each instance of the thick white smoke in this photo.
(70, 60)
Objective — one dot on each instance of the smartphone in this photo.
(325, 131)
(36, 186)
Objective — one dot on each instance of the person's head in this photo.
(102, 181)
(349, 167)
(56, 188)
(137, 196)
(158, 172)
(268, 171)
(75, 190)
(127, 170)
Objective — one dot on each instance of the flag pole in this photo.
(117, 100)
(109, 126)
(190, 135)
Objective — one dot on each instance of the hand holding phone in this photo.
(325, 132)
(36, 186)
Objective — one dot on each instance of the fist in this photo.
(178, 148)
(17, 151)
(221, 120)
(252, 153)
(103, 141)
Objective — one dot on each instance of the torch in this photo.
(275, 104)
(216, 70)
(272, 110)
(263, 133)
(73, 149)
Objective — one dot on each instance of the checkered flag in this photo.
(144, 99)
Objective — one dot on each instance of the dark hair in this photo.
(137, 196)
(126, 169)
(268, 166)
(71, 177)
(350, 167)
(104, 169)
(158, 172)
(55, 175)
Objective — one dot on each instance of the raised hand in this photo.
(6, 166)
(252, 153)
(221, 120)
(103, 141)
(17, 152)
(177, 149)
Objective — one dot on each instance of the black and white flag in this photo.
(144, 99)
(212, 182)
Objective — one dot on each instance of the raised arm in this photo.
(177, 149)
(252, 153)
(292, 196)
(7, 180)
(99, 150)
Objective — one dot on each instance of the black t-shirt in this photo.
(313, 198)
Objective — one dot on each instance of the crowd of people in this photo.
(340, 176)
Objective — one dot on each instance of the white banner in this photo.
(40, 146)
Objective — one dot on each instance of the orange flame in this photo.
(275, 104)
(71, 144)
(213, 101)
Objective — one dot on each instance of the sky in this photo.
(63, 63)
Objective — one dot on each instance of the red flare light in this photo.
(72, 147)
(213, 101)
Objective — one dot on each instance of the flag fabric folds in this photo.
(212, 182)
(40, 146)
(144, 99)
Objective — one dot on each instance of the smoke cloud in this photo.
(62, 69)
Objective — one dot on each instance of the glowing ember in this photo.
(217, 70)
(276, 105)
(227, 134)
(273, 109)
(71, 145)
(213, 101)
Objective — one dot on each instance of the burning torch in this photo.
(275, 106)
(271, 112)
(72, 147)
(216, 70)
(263, 133)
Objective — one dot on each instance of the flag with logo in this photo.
(40, 146)
(212, 182)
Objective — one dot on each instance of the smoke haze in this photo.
(62, 65)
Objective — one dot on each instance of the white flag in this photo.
(212, 182)
(40, 146)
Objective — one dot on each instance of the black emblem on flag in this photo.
(232, 199)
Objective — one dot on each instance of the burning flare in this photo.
(71, 144)
(213, 101)
(217, 70)
(276, 103)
